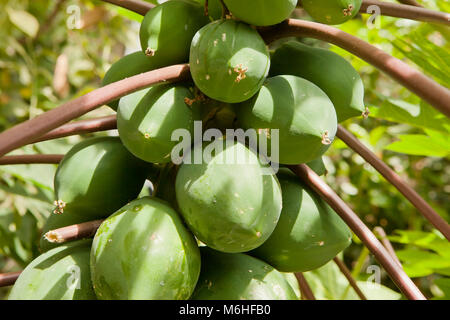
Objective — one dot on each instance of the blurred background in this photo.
(54, 51)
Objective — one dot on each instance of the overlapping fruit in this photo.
(226, 227)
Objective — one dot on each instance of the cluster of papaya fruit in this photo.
(216, 229)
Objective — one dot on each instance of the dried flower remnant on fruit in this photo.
(348, 10)
(366, 113)
(150, 52)
(326, 138)
(240, 70)
(60, 205)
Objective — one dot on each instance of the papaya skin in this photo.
(229, 61)
(309, 233)
(144, 252)
(332, 11)
(146, 120)
(261, 12)
(229, 206)
(328, 70)
(318, 166)
(128, 66)
(228, 276)
(53, 275)
(300, 110)
(96, 177)
(167, 30)
(215, 10)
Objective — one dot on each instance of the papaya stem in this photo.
(73, 232)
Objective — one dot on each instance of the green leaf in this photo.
(24, 20)
(421, 116)
(422, 145)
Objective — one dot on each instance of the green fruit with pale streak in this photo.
(167, 30)
(96, 177)
(232, 202)
(144, 252)
(309, 233)
(60, 274)
(261, 12)
(237, 276)
(328, 70)
(128, 66)
(332, 11)
(229, 61)
(147, 119)
(299, 109)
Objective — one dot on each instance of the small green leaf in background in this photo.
(24, 20)
(421, 145)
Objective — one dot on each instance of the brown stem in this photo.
(387, 244)
(410, 3)
(8, 279)
(421, 205)
(73, 232)
(31, 158)
(407, 12)
(396, 273)
(26, 132)
(79, 127)
(137, 6)
(435, 94)
(304, 287)
(349, 277)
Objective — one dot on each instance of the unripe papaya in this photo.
(237, 276)
(332, 11)
(128, 66)
(97, 177)
(167, 30)
(309, 232)
(60, 274)
(229, 203)
(300, 110)
(229, 61)
(326, 69)
(261, 12)
(318, 166)
(144, 252)
(293, 282)
(147, 118)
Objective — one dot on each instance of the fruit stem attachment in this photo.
(240, 70)
(366, 113)
(73, 232)
(150, 52)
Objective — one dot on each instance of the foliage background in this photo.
(50, 55)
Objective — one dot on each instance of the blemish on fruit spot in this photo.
(321, 243)
(207, 77)
(215, 42)
(366, 113)
(147, 135)
(224, 37)
(258, 234)
(325, 138)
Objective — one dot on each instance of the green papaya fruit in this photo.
(229, 61)
(128, 66)
(237, 276)
(309, 232)
(60, 274)
(96, 177)
(326, 69)
(332, 11)
(167, 30)
(300, 110)
(147, 118)
(144, 252)
(261, 12)
(318, 166)
(229, 204)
